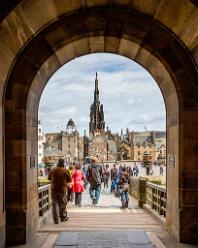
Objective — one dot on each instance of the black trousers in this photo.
(78, 198)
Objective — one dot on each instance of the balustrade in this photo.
(44, 199)
(156, 198)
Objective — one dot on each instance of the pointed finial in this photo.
(96, 75)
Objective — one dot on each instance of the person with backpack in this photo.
(124, 186)
(95, 178)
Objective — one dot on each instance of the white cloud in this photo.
(130, 96)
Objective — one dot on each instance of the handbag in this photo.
(125, 187)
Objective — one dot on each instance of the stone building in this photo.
(51, 156)
(69, 142)
(101, 144)
(133, 145)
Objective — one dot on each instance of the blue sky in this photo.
(130, 96)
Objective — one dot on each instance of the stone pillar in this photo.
(188, 177)
(21, 179)
(142, 192)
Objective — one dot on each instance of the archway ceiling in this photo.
(104, 23)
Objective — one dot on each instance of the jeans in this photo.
(94, 192)
(59, 202)
(124, 198)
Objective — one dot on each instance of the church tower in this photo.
(97, 123)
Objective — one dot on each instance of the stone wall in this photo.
(2, 200)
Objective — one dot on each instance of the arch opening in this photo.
(97, 30)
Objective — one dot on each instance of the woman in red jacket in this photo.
(78, 186)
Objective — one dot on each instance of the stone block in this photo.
(2, 234)
(96, 44)
(66, 53)
(190, 33)
(174, 14)
(15, 31)
(188, 178)
(91, 3)
(63, 7)
(128, 48)
(67, 239)
(148, 7)
(35, 8)
(47, 69)
(188, 197)
(189, 224)
(15, 236)
(111, 44)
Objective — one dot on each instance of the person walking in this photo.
(95, 178)
(114, 178)
(124, 186)
(70, 194)
(106, 174)
(78, 184)
(161, 169)
(59, 178)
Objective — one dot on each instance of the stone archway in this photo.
(66, 32)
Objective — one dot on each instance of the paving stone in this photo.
(67, 246)
(137, 238)
(67, 239)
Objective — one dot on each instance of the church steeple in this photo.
(96, 123)
(96, 91)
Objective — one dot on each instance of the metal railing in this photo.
(156, 198)
(44, 199)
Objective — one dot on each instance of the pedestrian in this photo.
(129, 170)
(106, 175)
(95, 178)
(78, 186)
(114, 178)
(59, 178)
(124, 186)
(84, 168)
(114, 172)
(161, 170)
(70, 194)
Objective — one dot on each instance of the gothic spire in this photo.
(96, 92)
(97, 123)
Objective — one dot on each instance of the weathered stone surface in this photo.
(40, 34)
(67, 239)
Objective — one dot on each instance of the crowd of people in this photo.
(68, 184)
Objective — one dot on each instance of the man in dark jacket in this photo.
(60, 178)
(94, 177)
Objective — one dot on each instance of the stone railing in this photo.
(149, 195)
(156, 198)
(138, 189)
(44, 199)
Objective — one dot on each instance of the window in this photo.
(39, 130)
(40, 146)
(139, 153)
(40, 154)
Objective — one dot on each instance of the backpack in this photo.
(95, 175)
